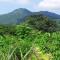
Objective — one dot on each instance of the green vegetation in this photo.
(25, 42)
(42, 23)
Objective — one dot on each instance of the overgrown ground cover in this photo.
(25, 43)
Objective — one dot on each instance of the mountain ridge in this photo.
(15, 16)
(18, 15)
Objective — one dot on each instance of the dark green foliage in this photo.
(7, 29)
(42, 23)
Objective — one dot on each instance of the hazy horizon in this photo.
(28, 10)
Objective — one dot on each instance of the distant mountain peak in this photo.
(15, 17)
(21, 10)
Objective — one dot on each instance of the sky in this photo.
(7, 6)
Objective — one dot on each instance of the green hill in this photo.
(14, 17)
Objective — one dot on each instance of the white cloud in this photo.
(48, 5)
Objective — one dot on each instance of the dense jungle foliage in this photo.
(35, 39)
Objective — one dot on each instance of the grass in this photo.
(29, 44)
